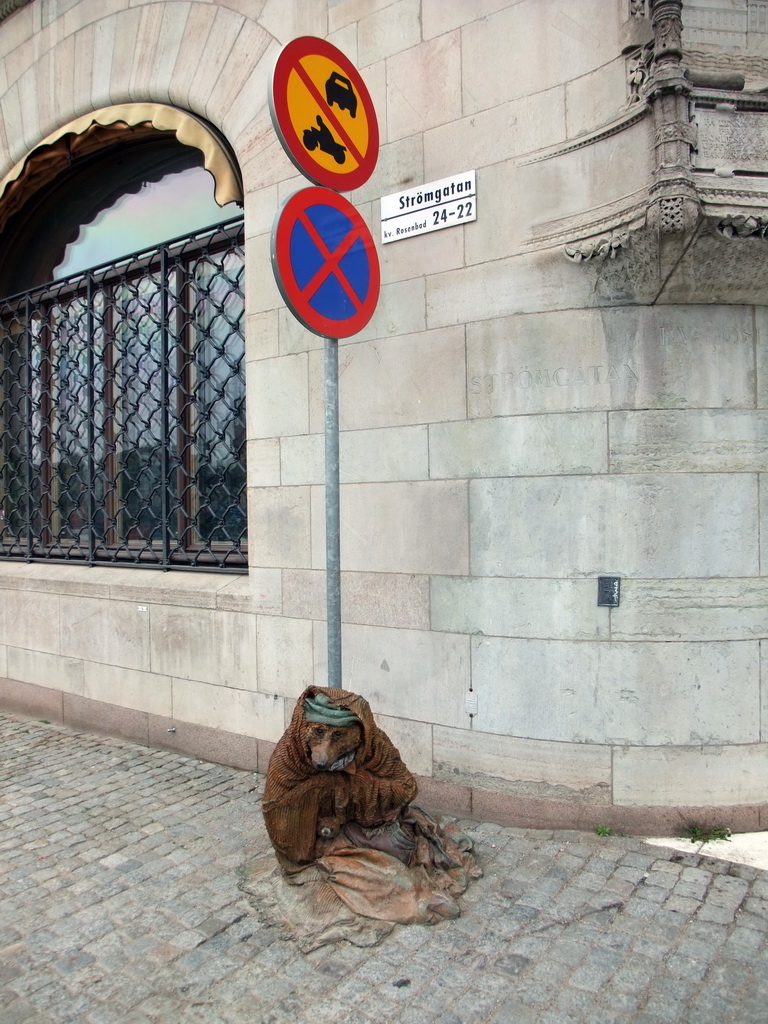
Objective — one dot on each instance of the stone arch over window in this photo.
(122, 393)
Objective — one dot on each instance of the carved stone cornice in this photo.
(725, 98)
(606, 240)
(626, 214)
(677, 182)
(626, 120)
(7, 7)
(722, 201)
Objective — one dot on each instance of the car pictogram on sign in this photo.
(338, 89)
(323, 114)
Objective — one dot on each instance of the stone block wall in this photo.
(514, 425)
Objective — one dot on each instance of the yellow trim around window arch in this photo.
(189, 130)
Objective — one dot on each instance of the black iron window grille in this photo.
(122, 411)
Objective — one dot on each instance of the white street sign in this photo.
(440, 204)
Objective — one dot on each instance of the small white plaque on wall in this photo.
(440, 204)
(731, 140)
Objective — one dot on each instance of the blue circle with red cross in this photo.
(325, 263)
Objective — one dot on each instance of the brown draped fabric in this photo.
(367, 791)
(385, 860)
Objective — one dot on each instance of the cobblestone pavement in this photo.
(119, 902)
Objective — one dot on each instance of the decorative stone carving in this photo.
(672, 214)
(710, 140)
(667, 21)
(740, 225)
(638, 71)
(599, 249)
(673, 191)
(675, 132)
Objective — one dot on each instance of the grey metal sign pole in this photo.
(336, 231)
(332, 513)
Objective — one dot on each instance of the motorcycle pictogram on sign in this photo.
(322, 137)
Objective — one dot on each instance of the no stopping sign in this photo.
(325, 263)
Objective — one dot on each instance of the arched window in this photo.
(122, 398)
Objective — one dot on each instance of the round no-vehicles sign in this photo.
(325, 263)
(323, 114)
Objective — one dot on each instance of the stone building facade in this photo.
(572, 386)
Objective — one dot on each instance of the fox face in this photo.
(331, 748)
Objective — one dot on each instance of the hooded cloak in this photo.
(368, 791)
(351, 835)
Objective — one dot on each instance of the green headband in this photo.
(322, 710)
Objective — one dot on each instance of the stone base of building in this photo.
(82, 713)
(245, 752)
